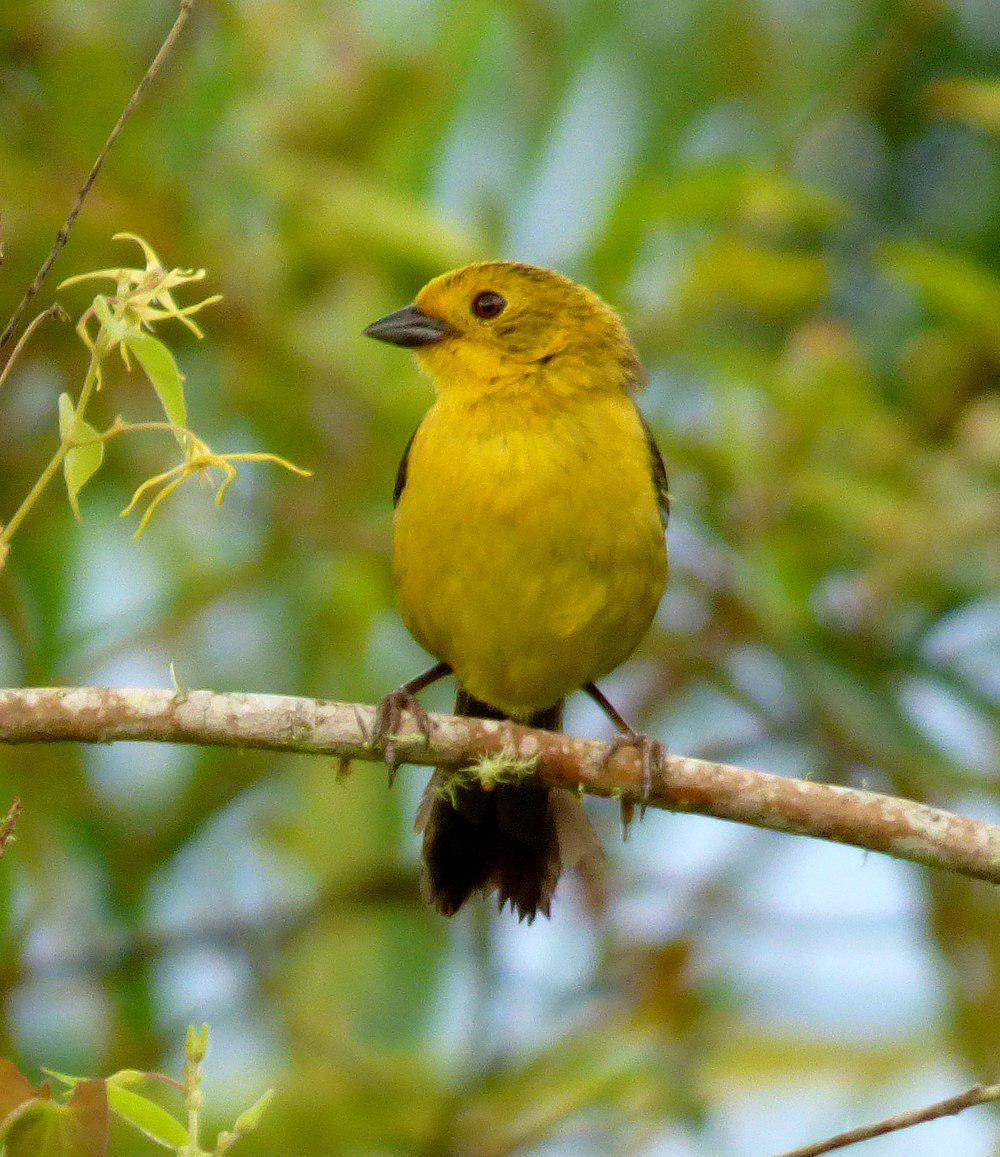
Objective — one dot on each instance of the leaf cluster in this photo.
(36, 1122)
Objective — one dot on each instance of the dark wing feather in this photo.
(659, 471)
(404, 463)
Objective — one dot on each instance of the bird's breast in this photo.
(528, 550)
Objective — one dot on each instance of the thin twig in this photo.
(864, 819)
(54, 310)
(63, 235)
(9, 824)
(980, 1095)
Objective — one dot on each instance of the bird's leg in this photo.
(390, 710)
(650, 751)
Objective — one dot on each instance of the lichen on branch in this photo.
(875, 822)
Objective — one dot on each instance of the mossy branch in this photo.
(863, 819)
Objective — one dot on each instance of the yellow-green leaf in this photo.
(148, 1117)
(162, 371)
(82, 462)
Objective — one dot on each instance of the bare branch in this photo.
(980, 1095)
(863, 819)
(63, 235)
(54, 310)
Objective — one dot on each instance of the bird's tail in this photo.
(513, 838)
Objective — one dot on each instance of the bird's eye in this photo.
(488, 304)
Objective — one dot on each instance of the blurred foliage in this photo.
(797, 208)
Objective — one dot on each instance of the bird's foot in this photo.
(651, 754)
(388, 717)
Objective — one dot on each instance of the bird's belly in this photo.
(532, 588)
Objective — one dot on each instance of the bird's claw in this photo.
(651, 754)
(388, 716)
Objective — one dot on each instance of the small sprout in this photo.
(250, 1118)
(116, 1094)
(196, 1044)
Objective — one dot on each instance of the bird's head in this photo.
(501, 326)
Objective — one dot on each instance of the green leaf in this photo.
(162, 371)
(38, 1132)
(79, 1129)
(82, 462)
(124, 1077)
(148, 1117)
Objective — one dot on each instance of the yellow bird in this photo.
(528, 548)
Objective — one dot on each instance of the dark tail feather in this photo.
(507, 838)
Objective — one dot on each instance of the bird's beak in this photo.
(408, 327)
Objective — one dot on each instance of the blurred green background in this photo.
(796, 206)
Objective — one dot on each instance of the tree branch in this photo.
(980, 1095)
(864, 819)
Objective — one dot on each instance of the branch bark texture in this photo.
(863, 819)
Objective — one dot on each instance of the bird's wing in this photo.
(659, 471)
(404, 462)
